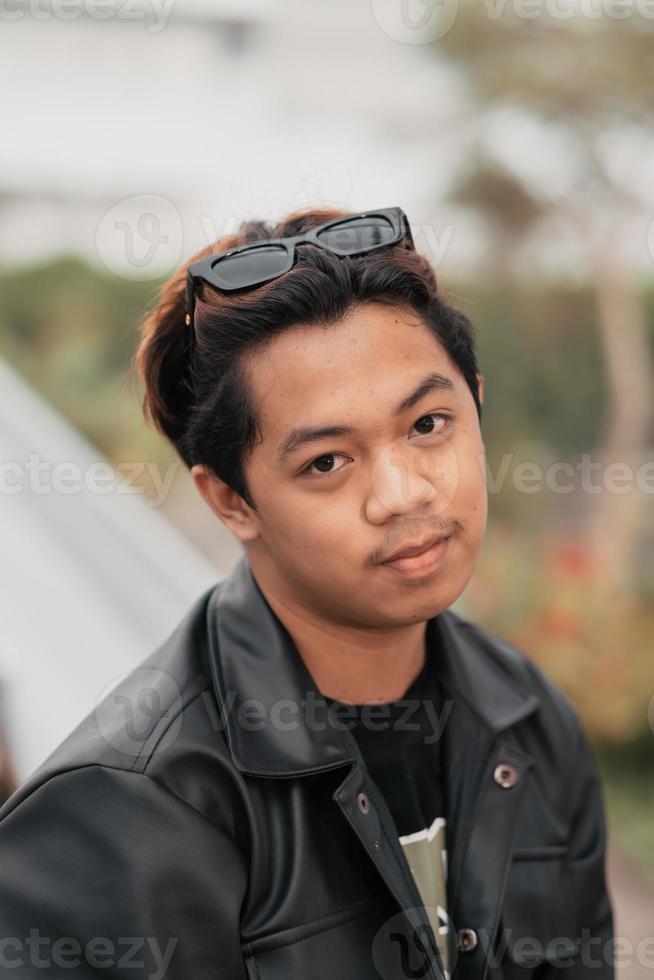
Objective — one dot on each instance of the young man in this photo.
(324, 771)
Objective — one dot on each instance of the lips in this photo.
(412, 550)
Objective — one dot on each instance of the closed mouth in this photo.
(413, 550)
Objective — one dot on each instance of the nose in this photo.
(401, 483)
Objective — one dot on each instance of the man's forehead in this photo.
(330, 375)
(361, 351)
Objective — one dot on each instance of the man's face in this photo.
(330, 509)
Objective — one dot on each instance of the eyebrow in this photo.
(299, 437)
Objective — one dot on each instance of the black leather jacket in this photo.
(207, 822)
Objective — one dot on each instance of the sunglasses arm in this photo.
(189, 299)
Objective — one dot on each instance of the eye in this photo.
(325, 464)
(319, 461)
(431, 426)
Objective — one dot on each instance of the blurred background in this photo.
(517, 135)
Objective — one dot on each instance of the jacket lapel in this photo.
(253, 659)
(482, 810)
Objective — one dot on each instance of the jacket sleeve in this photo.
(106, 873)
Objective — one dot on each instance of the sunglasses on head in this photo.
(259, 262)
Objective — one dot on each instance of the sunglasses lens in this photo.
(357, 235)
(252, 266)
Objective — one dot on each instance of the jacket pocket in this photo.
(339, 943)
(537, 920)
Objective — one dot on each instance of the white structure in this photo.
(90, 582)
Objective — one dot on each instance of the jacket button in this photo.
(363, 802)
(506, 775)
(466, 939)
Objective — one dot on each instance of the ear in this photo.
(226, 504)
(480, 383)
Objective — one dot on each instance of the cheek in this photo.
(469, 481)
(457, 472)
(472, 501)
(472, 473)
(303, 525)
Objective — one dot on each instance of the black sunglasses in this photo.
(252, 265)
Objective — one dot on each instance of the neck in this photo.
(353, 665)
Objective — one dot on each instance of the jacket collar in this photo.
(272, 711)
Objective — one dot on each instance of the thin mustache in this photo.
(449, 528)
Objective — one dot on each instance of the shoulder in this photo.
(514, 667)
(159, 722)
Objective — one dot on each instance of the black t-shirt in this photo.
(401, 744)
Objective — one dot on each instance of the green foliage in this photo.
(586, 70)
(70, 330)
(542, 369)
(546, 593)
(628, 782)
